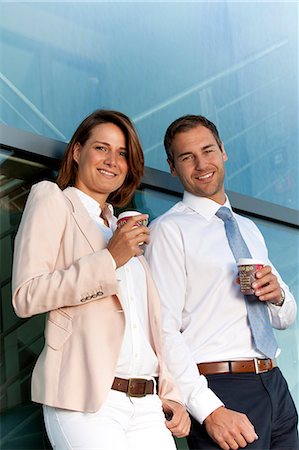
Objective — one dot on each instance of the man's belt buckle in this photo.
(257, 368)
(131, 386)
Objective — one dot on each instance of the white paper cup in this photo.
(125, 216)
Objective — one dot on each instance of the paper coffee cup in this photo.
(125, 215)
(247, 268)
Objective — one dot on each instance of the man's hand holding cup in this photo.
(258, 282)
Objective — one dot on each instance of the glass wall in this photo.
(283, 245)
(21, 339)
(236, 62)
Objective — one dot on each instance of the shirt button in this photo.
(136, 355)
(134, 326)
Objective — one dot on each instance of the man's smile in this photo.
(207, 176)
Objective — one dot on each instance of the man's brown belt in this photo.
(134, 387)
(247, 366)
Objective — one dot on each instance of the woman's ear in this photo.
(76, 152)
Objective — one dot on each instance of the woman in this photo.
(101, 368)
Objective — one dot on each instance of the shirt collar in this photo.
(206, 207)
(93, 206)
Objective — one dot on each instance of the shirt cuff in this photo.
(203, 405)
(277, 310)
(113, 261)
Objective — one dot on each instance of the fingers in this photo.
(230, 429)
(137, 236)
(178, 420)
(140, 219)
(126, 241)
(180, 423)
(249, 433)
(135, 231)
(180, 429)
(235, 439)
(266, 286)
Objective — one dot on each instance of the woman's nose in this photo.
(110, 159)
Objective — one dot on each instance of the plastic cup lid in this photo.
(249, 261)
(128, 214)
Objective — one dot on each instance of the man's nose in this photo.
(198, 162)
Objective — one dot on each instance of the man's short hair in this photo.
(186, 123)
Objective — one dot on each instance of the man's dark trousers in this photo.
(265, 399)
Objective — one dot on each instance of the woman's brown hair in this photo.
(68, 170)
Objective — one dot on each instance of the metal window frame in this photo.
(48, 150)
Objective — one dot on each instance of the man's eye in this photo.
(187, 158)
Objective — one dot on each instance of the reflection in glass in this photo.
(235, 62)
(21, 339)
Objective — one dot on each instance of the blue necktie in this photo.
(257, 311)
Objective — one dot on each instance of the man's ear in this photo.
(172, 168)
(224, 154)
(76, 152)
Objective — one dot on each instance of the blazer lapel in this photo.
(84, 221)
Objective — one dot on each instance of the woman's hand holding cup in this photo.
(131, 233)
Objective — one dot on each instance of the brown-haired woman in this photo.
(101, 375)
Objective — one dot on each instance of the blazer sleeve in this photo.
(37, 285)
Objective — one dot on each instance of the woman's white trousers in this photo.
(122, 423)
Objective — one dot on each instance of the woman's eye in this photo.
(101, 148)
(124, 154)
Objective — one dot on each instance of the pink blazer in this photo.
(61, 267)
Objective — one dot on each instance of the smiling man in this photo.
(224, 363)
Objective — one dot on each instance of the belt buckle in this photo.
(256, 367)
(136, 380)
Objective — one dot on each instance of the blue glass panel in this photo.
(283, 246)
(236, 62)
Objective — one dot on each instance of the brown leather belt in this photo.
(134, 387)
(247, 366)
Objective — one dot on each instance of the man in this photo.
(241, 397)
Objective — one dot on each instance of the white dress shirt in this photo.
(203, 312)
(137, 357)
